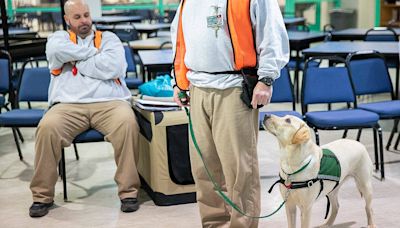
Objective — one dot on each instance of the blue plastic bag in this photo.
(158, 87)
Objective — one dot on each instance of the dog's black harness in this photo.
(330, 170)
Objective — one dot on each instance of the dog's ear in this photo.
(302, 135)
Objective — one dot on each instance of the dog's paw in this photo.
(372, 226)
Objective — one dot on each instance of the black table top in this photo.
(18, 32)
(294, 21)
(140, 27)
(21, 49)
(301, 40)
(390, 49)
(356, 34)
(156, 57)
(116, 19)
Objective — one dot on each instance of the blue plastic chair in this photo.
(5, 74)
(381, 34)
(333, 85)
(33, 86)
(90, 135)
(282, 93)
(370, 76)
(384, 34)
(131, 82)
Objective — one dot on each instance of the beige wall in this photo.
(365, 12)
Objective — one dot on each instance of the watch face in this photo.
(267, 81)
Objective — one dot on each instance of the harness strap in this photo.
(328, 206)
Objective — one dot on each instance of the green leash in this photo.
(217, 187)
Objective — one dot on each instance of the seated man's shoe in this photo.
(129, 205)
(39, 209)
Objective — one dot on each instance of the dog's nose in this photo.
(266, 117)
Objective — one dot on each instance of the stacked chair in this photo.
(330, 85)
(370, 76)
(33, 87)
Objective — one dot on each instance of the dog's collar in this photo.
(299, 170)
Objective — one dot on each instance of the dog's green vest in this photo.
(330, 166)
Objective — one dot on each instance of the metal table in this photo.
(155, 61)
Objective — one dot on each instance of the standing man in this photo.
(87, 90)
(213, 41)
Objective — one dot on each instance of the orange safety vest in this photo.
(98, 35)
(241, 33)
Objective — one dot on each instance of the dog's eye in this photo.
(287, 120)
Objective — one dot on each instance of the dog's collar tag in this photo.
(288, 181)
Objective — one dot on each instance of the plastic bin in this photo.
(343, 18)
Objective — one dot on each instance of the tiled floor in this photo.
(94, 203)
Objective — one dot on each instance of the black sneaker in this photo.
(39, 209)
(129, 205)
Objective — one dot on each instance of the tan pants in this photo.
(226, 131)
(63, 122)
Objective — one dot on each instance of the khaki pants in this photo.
(63, 122)
(226, 131)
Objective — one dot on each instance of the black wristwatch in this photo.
(267, 81)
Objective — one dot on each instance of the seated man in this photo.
(87, 90)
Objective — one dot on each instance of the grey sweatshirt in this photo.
(97, 69)
(206, 52)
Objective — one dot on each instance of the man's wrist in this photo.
(268, 81)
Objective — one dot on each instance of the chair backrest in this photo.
(323, 85)
(34, 84)
(126, 34)
(283, 88)
(166, 45)
(5, 72)
(328, 28)
(369, 73)
(130, 60)
(381, 34)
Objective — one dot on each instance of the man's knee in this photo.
(127, 121)
(48, 126)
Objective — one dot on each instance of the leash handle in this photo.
(183, 97)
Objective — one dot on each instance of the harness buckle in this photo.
(310, 183)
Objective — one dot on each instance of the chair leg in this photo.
(396, 145)
(381, 153)
(76, 152)
(394, 130)
(345, 134)
(20, 135)
(376, 150)
(64, 177)
(397, 82)
(359, 134)
(15, 134)
(316, 135)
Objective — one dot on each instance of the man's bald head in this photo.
(78, 18)
(70, 4)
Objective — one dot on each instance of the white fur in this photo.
(297, 148)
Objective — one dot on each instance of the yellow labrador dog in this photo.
(309, 172)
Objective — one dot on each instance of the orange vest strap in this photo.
(180, 68)
(239, 24)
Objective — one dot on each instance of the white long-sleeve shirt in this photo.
(208, 53)
(97, 69)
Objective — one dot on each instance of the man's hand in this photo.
(177, 99)
(261, 95)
